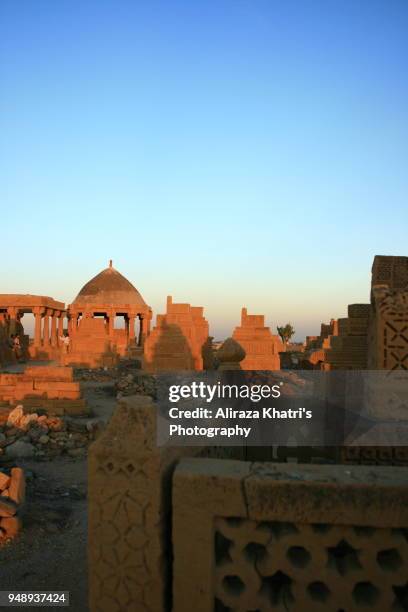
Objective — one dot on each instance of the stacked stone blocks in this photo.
(177, 340)
(262, 348)
(48, 387)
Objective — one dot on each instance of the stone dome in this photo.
(110, 287)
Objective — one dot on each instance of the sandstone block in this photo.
(10, 526)
(45, 385)
(7, 507)
(27, 420)
(8, 379)
(7, 390)
(15, 416)
(17, 485)
(26, 386)
(50, 373)
(4, 481)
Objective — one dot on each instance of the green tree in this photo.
(286, 332)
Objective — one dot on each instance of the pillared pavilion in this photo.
(108, 319)
(97, 336)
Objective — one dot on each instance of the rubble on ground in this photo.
(96, 374)
(135, 384)
(35, 435)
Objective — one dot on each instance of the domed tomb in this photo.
(112, 288)
(95, 339)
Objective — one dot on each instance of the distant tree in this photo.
(286, 332)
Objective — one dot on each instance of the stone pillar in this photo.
(131, 328)
(73, 323)
(12, 313)
(112, 314)
(54, 329)
(37, 329)
(60, 326)
(141, 331)
(144, 328)
(46, 332)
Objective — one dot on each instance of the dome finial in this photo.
(110, 263)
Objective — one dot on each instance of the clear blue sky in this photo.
(227, 153)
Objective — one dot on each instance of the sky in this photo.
(227, 153)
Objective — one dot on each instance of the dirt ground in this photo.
(51, 552)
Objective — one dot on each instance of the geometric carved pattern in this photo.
(276, 537)
(392, 311)
(122, 571)
(266, 566)
(390, 271)
(129, 511)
